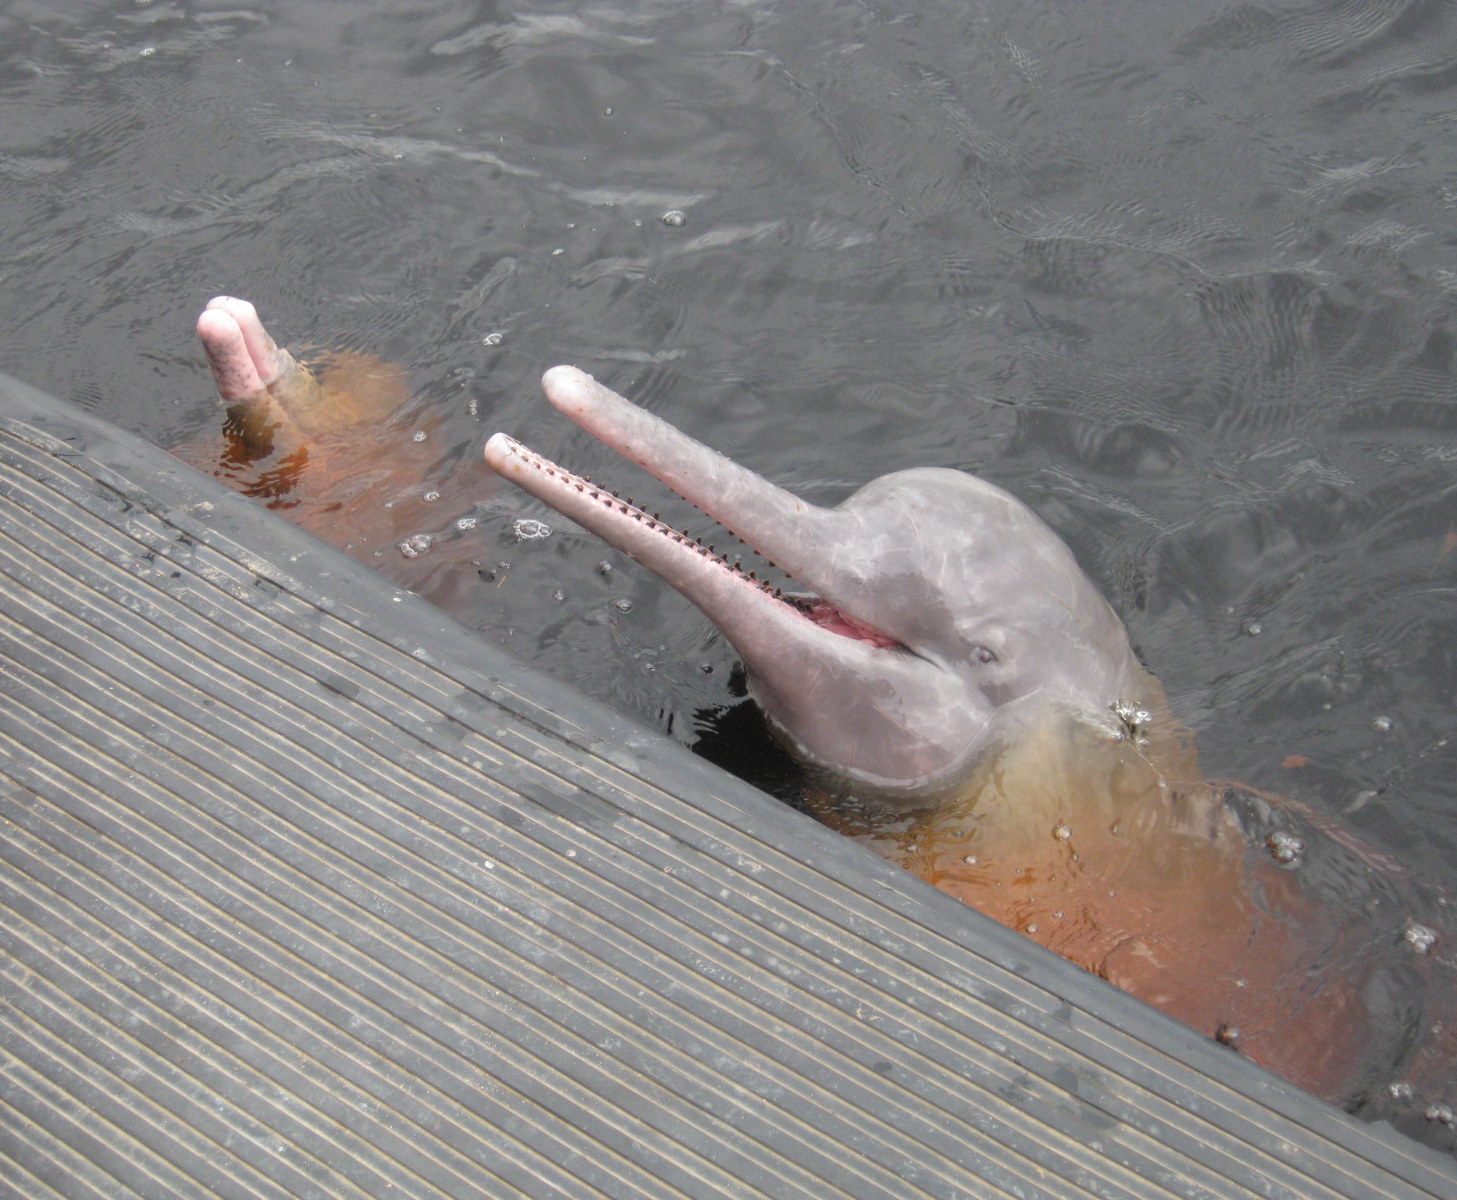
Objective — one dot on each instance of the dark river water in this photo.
(1181, 276)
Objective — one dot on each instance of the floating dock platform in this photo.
(309, 892)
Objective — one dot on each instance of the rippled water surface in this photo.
(1181, 276)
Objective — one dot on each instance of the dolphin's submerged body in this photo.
(966, 703)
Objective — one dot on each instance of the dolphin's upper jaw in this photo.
(686, 562)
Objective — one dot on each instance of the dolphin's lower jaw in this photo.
(851, 702)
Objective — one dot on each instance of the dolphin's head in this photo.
(938, 611)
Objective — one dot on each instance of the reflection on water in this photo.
(1181, 276)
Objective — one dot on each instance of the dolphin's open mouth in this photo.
(849, 697)
(630, 528)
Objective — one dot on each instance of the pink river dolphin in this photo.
(967, 704)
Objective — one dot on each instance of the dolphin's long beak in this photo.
(818, 673)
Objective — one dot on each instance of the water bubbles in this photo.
(1227, 1035)
(419, 436)
(1134, 721)
(622, 604)
(969, 859)
(1254, 629)
(465, 524)
(430, 497)
(528, 529)
(493, 338)
(673, 218)
(559, 596)
(1383, 724)
(415, 545)
(1285, 848)
(1441, 1113)
(1062, 832)
(604, 568)
(1421, 938)
(1401, 1091)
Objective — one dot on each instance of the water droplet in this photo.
(558, 595)
(528, 529)
(416, 544)
(1421, 938)
(1031, 927)
(493, 338)
(1441, 1113)
(1400, 1090)
(604, 567)
(969, 859)
(1361, 799)
(1061, 832)
(1227, 1035)
(674, 217)
(1383, 724)
(1285, 847)
(1254, 629)
(622, 604)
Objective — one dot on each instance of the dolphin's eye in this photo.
(984, 654)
